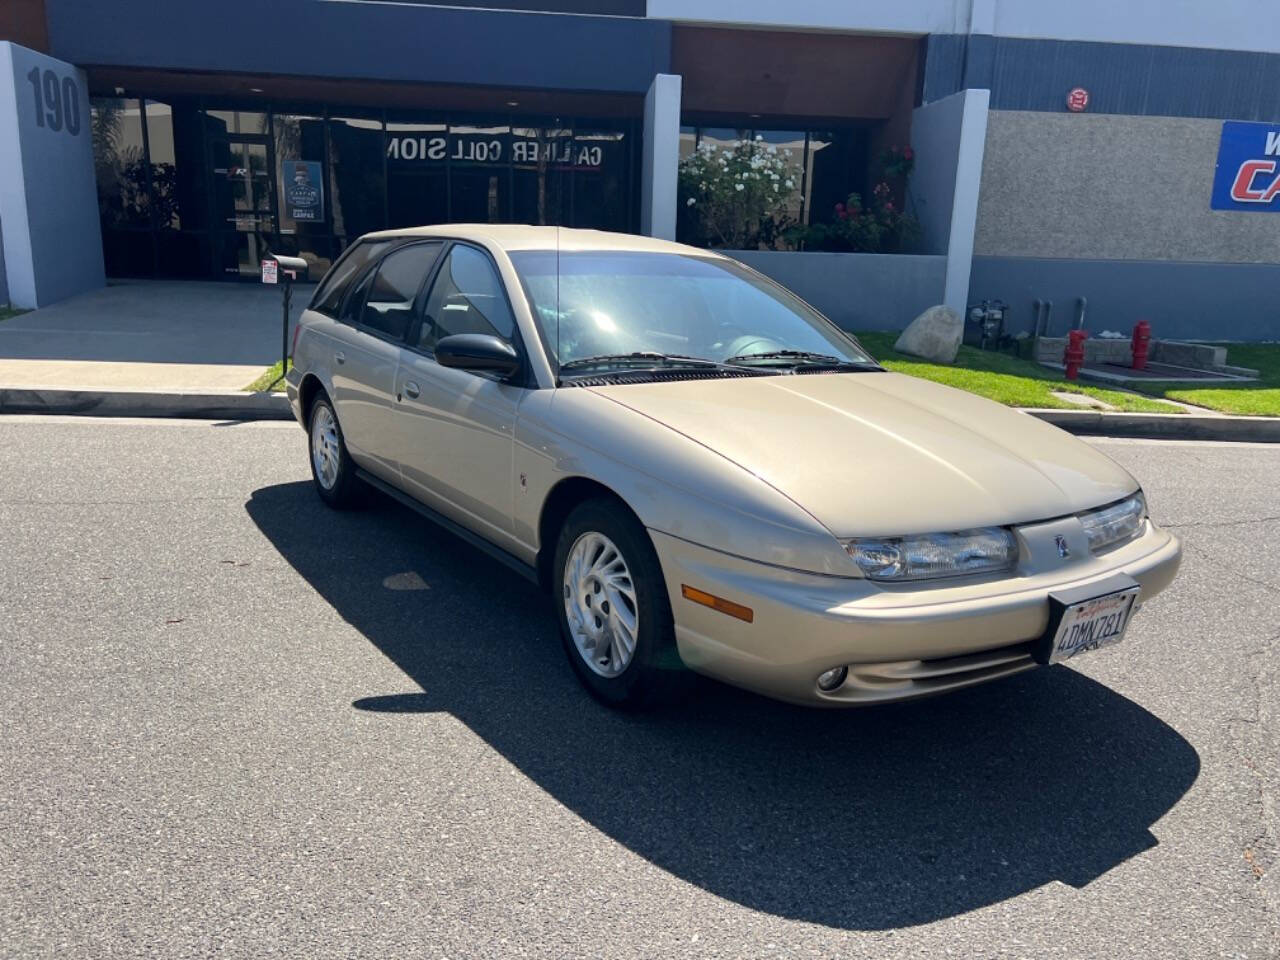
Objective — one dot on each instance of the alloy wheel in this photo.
(600, 604)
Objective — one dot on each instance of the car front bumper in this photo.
(898, 641)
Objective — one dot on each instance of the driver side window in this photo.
(467, 297)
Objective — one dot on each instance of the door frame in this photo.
(217, 222)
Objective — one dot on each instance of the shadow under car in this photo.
(863, 819)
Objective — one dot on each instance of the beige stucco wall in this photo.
(1100, 186)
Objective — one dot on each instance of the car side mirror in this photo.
(479, 352)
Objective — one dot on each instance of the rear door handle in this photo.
(411, 390)
(340, 357)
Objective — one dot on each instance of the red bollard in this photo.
(1074, 356)
(1141, 344)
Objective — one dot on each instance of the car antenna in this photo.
(557, 293)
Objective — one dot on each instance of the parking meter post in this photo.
(272, 266)
(284, 327)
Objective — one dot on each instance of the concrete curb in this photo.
(1163, 426)
(192, 405)
(237, 405)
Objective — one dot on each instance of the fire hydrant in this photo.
(1141, 344)
(1074, 356)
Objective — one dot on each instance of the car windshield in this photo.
(612, 304)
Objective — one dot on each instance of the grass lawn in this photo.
(7, 312)
(1254, 398)
(1005, 378)
(272, 380)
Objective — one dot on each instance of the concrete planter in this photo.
(859, 291)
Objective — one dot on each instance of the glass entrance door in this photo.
(244, 204)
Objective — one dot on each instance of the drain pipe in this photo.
(1082, 304)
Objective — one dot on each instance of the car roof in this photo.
(512, 236)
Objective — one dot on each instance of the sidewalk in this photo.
(148, 335)
(154, 348)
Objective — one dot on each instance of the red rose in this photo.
(908, 153)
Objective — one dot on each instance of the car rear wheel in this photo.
(615, 618)
(331, 467)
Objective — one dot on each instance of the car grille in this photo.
(869, 682)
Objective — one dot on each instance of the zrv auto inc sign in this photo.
(1248, 172)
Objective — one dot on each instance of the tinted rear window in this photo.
(329, 294)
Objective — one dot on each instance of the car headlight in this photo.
(933, 555)
(1113, 525)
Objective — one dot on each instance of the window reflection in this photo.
(417, 172)
(357, 182)
(815, 171)
(191, 188)
(298, 142)
(541, 174)
(479, 182)
(240, 121)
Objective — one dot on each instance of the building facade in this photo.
(1090, 154)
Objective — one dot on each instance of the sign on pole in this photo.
(270, 271)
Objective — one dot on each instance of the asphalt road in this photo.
(236, 724)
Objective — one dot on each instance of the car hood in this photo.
(878, 454)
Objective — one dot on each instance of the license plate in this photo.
(1080, 624)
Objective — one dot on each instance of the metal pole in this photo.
(284, 331)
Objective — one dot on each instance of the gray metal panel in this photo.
(4, 285)
(1123, 78)
(376, 41)
(1198, 301)
(858, 291)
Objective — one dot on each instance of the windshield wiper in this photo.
(641, 358)
(806, 358)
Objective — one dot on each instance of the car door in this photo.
(456, 426)
(375, 318)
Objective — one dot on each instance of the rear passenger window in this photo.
(333, 287)
(388, 305)
(467, 297)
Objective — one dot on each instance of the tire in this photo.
(332, 470)
(602, 551)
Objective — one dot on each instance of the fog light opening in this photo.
(833, 678)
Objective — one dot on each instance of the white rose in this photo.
(739, 187)
(690, 202)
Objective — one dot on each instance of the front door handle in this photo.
(411, 390)
(340, 357)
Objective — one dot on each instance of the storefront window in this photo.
(479, 174)
(541, 175)
(417, 172)
(251, 122)
(120, 169)
(196, 189)
(299, 150)
(805, 174)
(179, 188)
(357, 174)
(601, 189)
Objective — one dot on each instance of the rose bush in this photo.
(876, 225)
(737, 196)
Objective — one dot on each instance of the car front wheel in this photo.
(615, 618)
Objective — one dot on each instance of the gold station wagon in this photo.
(708, 475)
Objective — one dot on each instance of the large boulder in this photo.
(934, 335)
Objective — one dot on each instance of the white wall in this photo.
(1215, 24)
(660, 161)
(863, 16)
(48, 198)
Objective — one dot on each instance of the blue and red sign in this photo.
(1248, 172)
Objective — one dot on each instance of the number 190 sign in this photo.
(57, 100)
